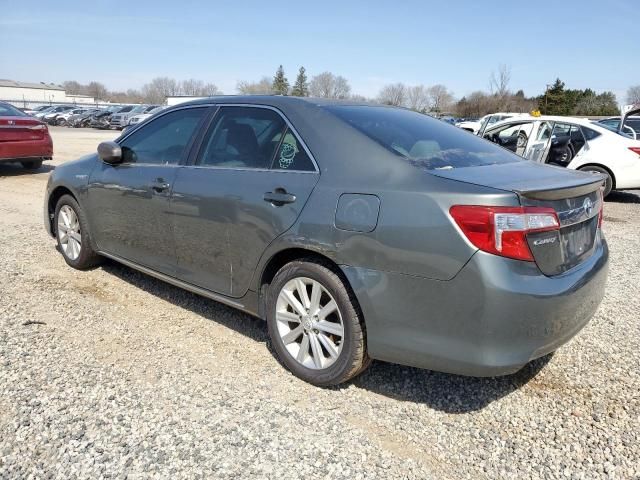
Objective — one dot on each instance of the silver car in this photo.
(357, 231)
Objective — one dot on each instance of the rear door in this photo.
(247, 185)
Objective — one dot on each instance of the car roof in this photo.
(279, 101)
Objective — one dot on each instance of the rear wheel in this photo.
(72, 234)
(608, 184)
(315, 325)
(62, 122)
(31, 164)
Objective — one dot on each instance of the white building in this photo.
(181, 99)
(34, 93)
(31, 92)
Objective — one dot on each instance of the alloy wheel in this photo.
(309, 323)
(69, 234)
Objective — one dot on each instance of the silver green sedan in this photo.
(356, 231)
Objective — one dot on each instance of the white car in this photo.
(486, 121)
(575, 143)
(136, 119)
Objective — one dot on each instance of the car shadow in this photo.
(623, 196)
(440, 391)
(443, 391)
(17, 170)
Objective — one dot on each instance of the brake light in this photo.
(601, 211)
(503, 230)
(635, 150)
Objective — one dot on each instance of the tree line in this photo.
(433, 99)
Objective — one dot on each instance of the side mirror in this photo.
(110, 152)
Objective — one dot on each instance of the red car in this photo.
(23, 138)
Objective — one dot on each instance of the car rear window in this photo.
(421, 139)
(9, 111)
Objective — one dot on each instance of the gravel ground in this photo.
(112, 374)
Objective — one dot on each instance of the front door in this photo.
(248, 185)
(129, 202)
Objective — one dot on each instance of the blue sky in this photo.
(457, 43)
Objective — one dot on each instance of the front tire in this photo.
(72, 234)
(315, 325)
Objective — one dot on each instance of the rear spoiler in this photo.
(569, 192)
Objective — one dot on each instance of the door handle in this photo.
(279, 197)
(159, 186)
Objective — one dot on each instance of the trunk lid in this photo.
(575, 197)
(16, 129)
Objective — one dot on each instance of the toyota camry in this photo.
(357, 231)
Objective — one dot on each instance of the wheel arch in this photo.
(288, 255)
(599, 165)
(56, 194)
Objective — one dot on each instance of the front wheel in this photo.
(608, 183)
(72, 234)
(315, 325)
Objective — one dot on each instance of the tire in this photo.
(341, 330)
(608, 184)
(31, 164)
(78, 254)
(62, 122)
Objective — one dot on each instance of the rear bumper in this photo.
(494, 317)
(10, 151)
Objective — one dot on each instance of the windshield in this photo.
(10, 111)
(428, 142)
(139, 109)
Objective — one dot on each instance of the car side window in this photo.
(242, 137)
(291, 155)
(164, 140)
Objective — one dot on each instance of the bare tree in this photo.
(499, 82)
(393, 94)
(417, 98)
(97, 90)
(198, 88)
(327, 85)
(74, 88)
(160, 88)
(440, 98)
(633, 94)
(263, 87)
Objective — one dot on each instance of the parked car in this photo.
(486, 121)
(61, 118)
(82, 119)
(631, 125)
(575, 143)
(46, 115)
(23, 138)
(356, 231)
(121, 119)
(141, 117)
(33, 111)
(102, 119)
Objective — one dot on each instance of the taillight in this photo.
(601, 211)
(40, 126)
(635, 150)
(503, 230)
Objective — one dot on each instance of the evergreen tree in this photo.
(280, 84)
(301, 87)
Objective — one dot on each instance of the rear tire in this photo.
(318, 335)
(31, 164)
(608, 184)
(73, 236)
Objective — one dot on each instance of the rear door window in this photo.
(423, 140)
